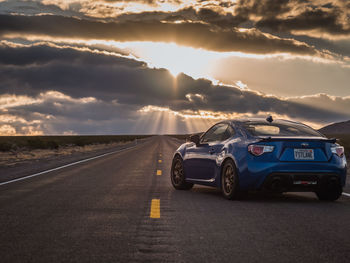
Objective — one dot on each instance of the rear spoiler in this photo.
(270, 139)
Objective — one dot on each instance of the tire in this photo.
(330, 193)
(178, 176)
(229, 180)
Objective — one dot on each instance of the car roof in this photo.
(242, 121)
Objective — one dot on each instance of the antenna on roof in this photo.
(269, 119)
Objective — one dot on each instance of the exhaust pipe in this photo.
(276, 185)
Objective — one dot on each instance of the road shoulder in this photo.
(15, 170)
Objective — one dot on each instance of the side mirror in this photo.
(195, 138)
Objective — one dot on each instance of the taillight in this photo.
(258, 150)
(338, 150)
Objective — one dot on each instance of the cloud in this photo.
(265, 8)
(205, 15)
(29, 7)
(285, 75)
(313, 22)
(207, 37)
(53, 112)
(313, 18)
(85, 92)
(217, 25)
(7, 130)
(339, 104)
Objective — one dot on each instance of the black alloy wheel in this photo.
(229, 180)
(331, 191)
(178, 175)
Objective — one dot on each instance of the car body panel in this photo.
(199, 162)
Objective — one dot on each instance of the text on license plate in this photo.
(303, 154)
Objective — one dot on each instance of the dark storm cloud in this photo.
(265, 8)
(60, 105)
(43, 54)
(207, 25)
(202, 15)
(112, 79)
(276, 15)
(280, 16)
(313, 19)
(295, 15)
(29, 7)
(55, 115)
(341, 46)
(190, 34)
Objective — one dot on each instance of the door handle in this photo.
(212, 151)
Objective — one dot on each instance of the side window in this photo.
(216, 133)
(228, 133)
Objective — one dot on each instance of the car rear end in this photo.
(289, 156)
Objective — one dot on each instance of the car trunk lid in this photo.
(301, 149)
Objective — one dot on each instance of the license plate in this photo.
(304, 154)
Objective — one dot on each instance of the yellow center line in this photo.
(155, 208)
(159, 161)
(159, 172)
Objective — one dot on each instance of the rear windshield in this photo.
(280, 129)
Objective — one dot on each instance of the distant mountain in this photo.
(337, 128)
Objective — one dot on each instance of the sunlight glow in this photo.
(175, 58)
(241, 85)
(201, 120)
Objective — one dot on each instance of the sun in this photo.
(175, 58)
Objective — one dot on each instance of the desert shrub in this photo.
(5, 146)
(52, 145)
(8, 143)
(36, 143)
(80, 142)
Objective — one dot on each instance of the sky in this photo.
(170, 66)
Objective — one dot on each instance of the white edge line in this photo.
(64, 166)
(346, 194)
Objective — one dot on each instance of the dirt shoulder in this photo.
(16, 164)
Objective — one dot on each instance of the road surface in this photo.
(122, 208)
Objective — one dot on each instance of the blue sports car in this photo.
(261, 154)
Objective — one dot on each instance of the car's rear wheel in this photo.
(331, 192)
(178, 175)
(229, 180)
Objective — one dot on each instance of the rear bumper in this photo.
(257, 171)
(300, 182)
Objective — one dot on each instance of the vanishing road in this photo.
(122, 208)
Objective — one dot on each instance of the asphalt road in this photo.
(100, 211)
